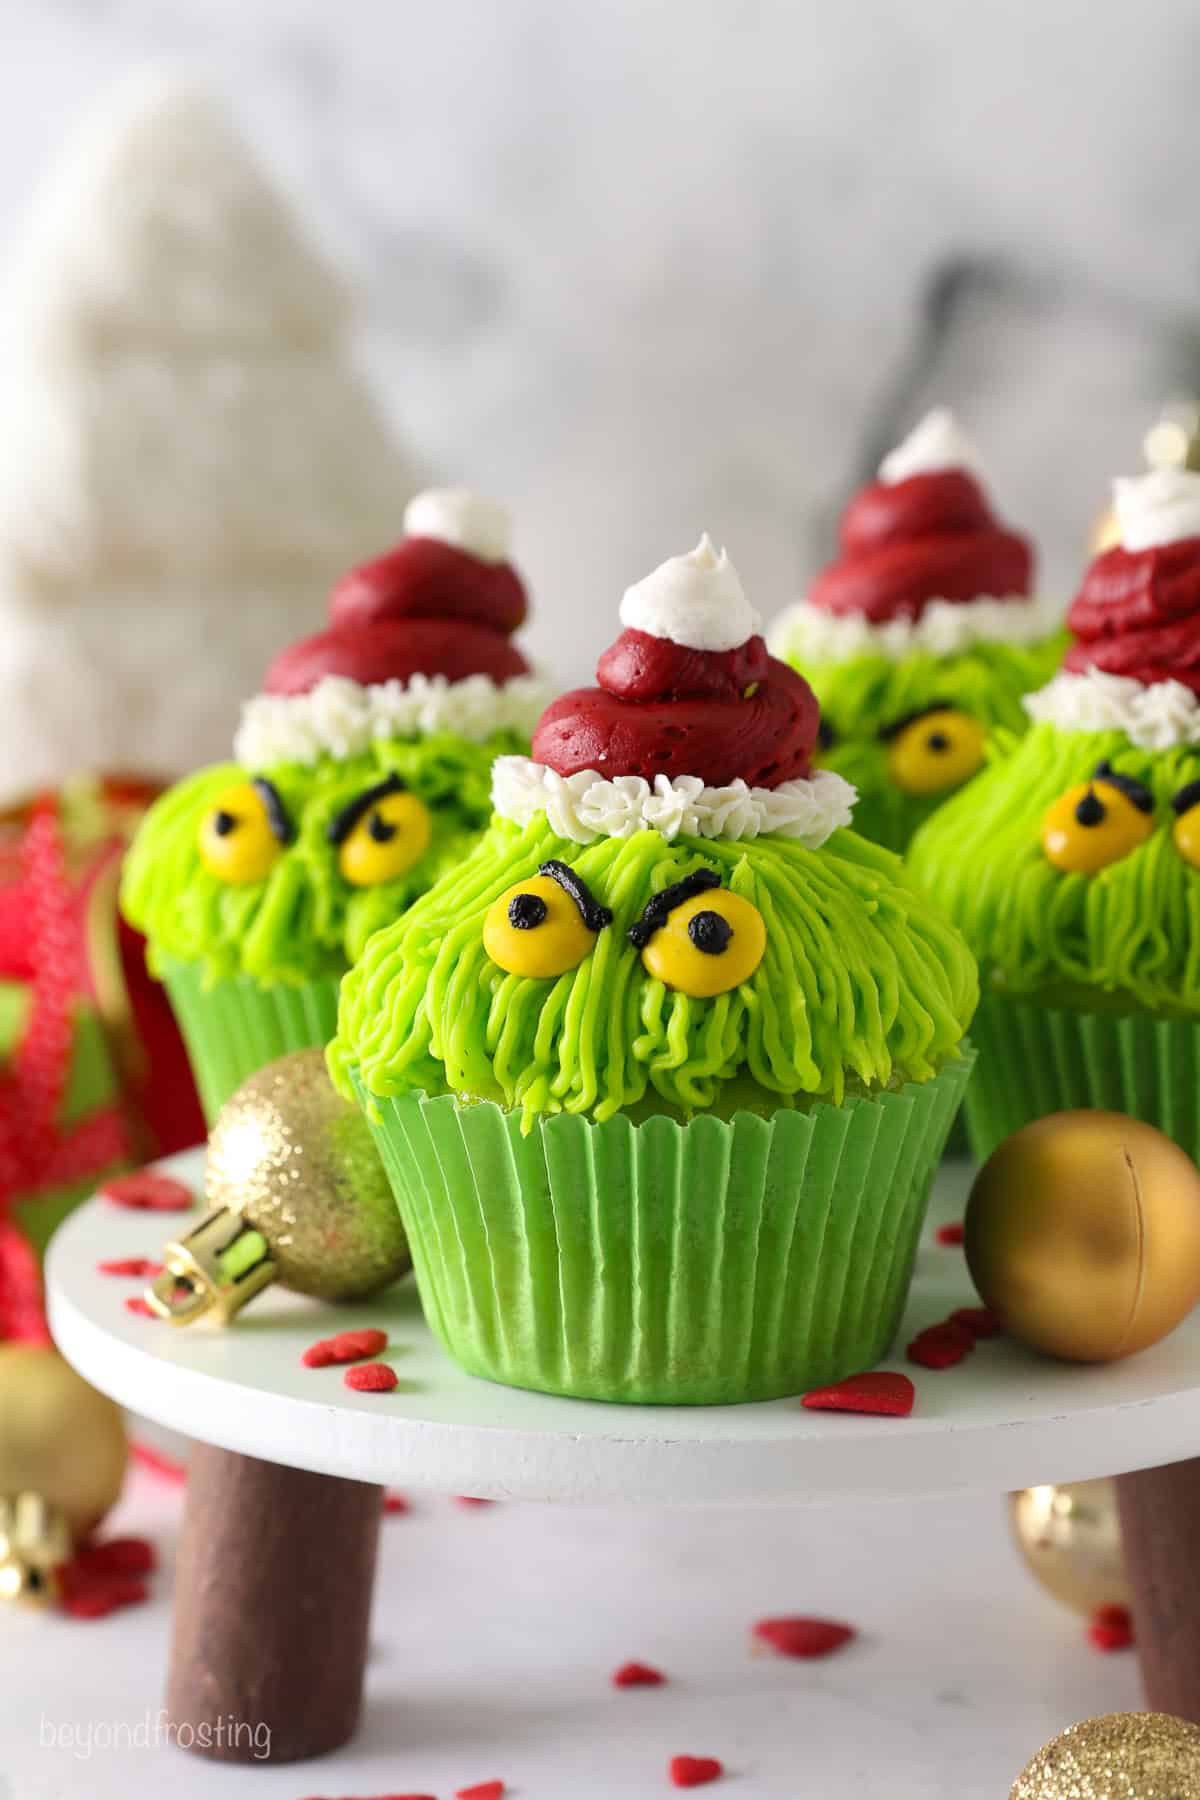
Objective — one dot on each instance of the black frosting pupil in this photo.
(526, 911)
(223, 822)
(710, 932)
(1091, 809)
(379, 830)
(937, 740)
(825, 735)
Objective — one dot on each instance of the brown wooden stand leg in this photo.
(1160, 1525)
(272, 1605)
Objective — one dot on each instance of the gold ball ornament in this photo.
(1070, 1539)
(1123, 1756)
(298, 1164)
(1082, 1234)
(59, 1438)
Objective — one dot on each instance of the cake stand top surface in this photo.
(1002, 1419)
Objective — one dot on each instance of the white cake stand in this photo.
(284, 1495)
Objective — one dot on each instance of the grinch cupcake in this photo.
(662, 1072)
(922, 635)
(362, 774)
(1073, 864)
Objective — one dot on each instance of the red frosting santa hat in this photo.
(923, 564)
(418, 640)
(692, 727)
(1135, 663)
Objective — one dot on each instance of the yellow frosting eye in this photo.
(937, 751)
(388, 832)
(244, 833)
(1096, 823)
(1186, 830)
(702, 944)
(543, 926)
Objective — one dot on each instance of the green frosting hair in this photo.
(862, 985)
(1128, 936)
(304, 920)
(861, 697)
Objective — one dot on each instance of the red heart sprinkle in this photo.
(637, 1674)
(97, 1599)
(881, 1392)
(941, 1346)
(980, 1321)
(804, 1637)
(693, 1771)
(484, 1790)
(119, 1556)
(158, 1463)
(345, 1347)
(147, 1191)
(134, 1303)
(394, 1503)
(1111, 1628)
(371, 1378)
(139, 1267)
(950, 1235)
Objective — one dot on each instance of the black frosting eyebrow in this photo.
(1136, 792)
(1186, 798)
(343, 823)
(594, 916)
(920, 712)
(660, 906)
(277, 813)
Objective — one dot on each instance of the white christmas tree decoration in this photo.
(187, 457)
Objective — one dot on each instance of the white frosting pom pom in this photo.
(936, 443)
(695, 600)
(1162, 507)
(456, 516)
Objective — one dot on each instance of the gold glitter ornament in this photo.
(299, 1196)
(1123, 1756)
(1070, 1539)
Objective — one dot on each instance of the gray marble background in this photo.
(656, 265)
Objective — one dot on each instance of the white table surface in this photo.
(495, 1631)
(1002, 1419)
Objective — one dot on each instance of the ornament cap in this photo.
(213, 1271)
(35, 1541)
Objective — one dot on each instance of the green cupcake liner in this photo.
(1035, 1060)
(235, 1027)
(660, 1263)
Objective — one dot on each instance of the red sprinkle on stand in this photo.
(119, 1556)
(881, 1392)
(394, 1504)
(950, 1235)
(371, 1378)
(693, 1771)
(941, 1346)
(980, 1321)
(483, 1790)
(134, 1303)
(804, 1637)
(637, 1674)
(471, 1500)
(346, 1347)
(147, 1191)
(138, 1267)
(1111, 1628)
(97, 1599)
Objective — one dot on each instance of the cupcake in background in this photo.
(1073, 865)
(361, 775)
(922, 635)
(662, 1071)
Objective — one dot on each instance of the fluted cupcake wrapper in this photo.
(1035, 1060)
(235, 1027)
(691, 1264)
